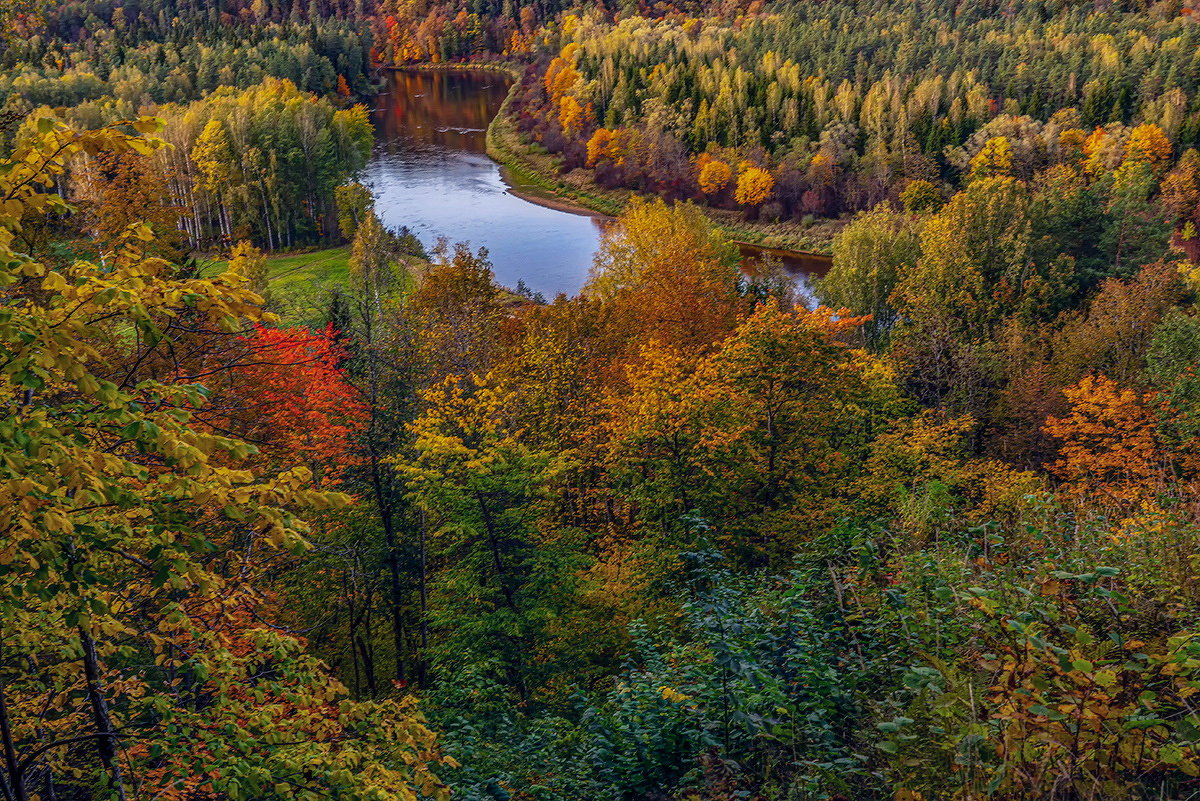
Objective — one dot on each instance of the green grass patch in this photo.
(293, 271)
(300, 284)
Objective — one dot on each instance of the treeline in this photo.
(261, 164)
(409, 32)
(138, 53)
(845, 103)
(256, 100)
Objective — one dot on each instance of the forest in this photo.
(680, 536)
(846, 104)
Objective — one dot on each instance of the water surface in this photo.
(430, 171)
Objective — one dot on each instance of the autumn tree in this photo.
(572, 116)
(796, 395)
(714, 176)
(480, 486)
(971, 275)
(754, 186)
(665, 273)
(1113, 332)
(754, 438)
(921, 196)
(995, 160)
(116, 501)
(870, 256)
(1108, 450)
(456, 310)
(655, 438)
(354, 205)
(1148, 145)
(299, 407)
(213, 156)
(116, 190)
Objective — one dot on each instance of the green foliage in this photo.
(354, 202)
(276, 185)
(99, 53)
(755, 687)
(129, 657)
(869, 257)
(1172, 364)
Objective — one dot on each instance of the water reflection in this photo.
(801, 267)
(430, 171)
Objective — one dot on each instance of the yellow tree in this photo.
(457, 309)
(757, 438)
(994, 160)
(1148, 145)
(921, 196)
(714, 176)
(572, 116)
(598, 146)
(666, 273)
(789, 416)
(754, 186)
(214, 159)
(654, 439)
(973, 263)
(482, 486)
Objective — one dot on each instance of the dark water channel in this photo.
(430, 171)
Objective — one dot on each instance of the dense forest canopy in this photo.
(152, 52)
(679, 537)
(847, 103)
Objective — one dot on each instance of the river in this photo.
(430, 171)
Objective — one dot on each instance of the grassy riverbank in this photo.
(532, 165)
(294, 273)
(537, 177)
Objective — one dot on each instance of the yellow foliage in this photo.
(994, 160)
(561, 76)
(572, 116)
(1148, 145)
(673, 695)
(754, 186)
(714, 176)
(1071, 144)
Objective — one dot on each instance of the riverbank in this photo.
(577, 192)
(535, 175)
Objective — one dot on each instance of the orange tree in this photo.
(1108, 450)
